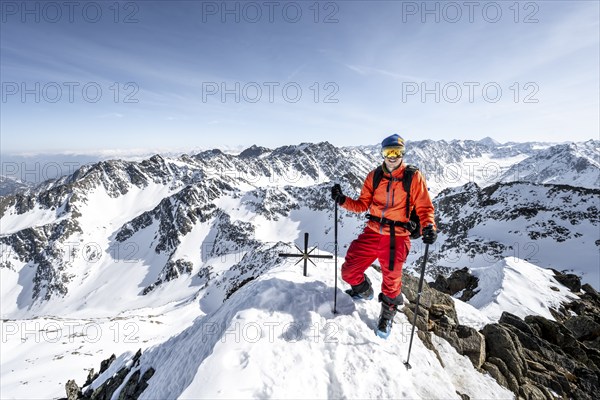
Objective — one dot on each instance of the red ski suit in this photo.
(388, 201)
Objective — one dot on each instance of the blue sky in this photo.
(192, 74)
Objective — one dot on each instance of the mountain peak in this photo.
(488, 141)
(254, 151)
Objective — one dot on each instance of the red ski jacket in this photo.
(389, 200)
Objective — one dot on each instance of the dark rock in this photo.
(588, 381)
(547, 380)
(136, 384)
(443, 314)
(535, 366)
(238, 287)
(73, 391)
(472, 344)
(548, 395)
(560, 315)
(557, 363)
(253, 151)
(583, 327)
(572, 281)
(106, 390)
(593, 344)
(441, 284)
(128, 390)
(463, 396)
(459, 280)
(106, 363)
(511, 319)
(90, 378)
(531, 392)
(422, 317)
(467, 341)
(143, 383)
(437, 313)
(511, 381)
(429, 297)
(551, 331)
(425, 337)
(494, 371)
(504, 345)
(590, 290)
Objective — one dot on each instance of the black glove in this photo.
(337, 195)
(429, 234)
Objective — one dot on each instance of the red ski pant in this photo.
(363, 251)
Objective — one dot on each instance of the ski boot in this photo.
(389, 307)
(363, 291)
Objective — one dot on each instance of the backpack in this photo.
(414, 224)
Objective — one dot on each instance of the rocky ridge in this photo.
(534, 357)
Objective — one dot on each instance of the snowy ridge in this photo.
(277, 336)
(518, 287)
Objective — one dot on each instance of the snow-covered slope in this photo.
(277, 337)
(575, 164)
(549, 225)
(518, 287)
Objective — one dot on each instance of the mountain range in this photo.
(170, 238)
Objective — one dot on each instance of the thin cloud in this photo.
(112, 115)
(366, 71)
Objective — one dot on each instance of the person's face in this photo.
(392, 157)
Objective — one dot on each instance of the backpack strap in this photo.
(377, 177)
(409, 172)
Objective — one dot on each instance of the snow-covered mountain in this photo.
(164, 218)
(131, 245)
(9, 186)
(575, 164)
(555, 226)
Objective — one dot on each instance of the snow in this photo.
(39, 355)
(471, 316)
(190, 248)
(484, 171)
(519, 287)
(545, 251)
(277, 337)
(550, 248)
(135, 201)
(273, 231)
(11, 222)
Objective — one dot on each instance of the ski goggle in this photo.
(392, 152)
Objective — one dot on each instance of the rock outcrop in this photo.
(437, 314)
(128, 381)
(536, 358)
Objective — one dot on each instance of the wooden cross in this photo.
(305, 255)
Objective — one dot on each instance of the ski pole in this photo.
(407, 363)
(335, 235)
